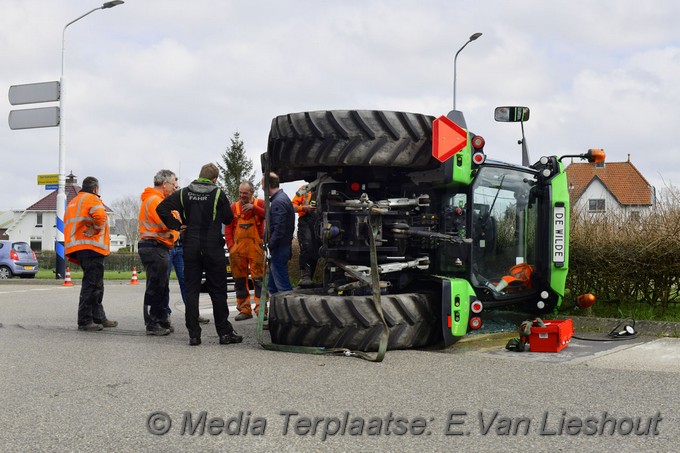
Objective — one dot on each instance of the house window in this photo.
(596, 205)
(635, 216)
(38, 219)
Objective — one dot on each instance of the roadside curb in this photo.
(55, 282)
(605, 325)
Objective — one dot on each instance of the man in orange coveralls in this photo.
(244, 237)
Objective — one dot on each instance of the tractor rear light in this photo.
(478, 158)
(475, 323)
(13, 255)
(476, 306)
(355, 186)
(478, 142)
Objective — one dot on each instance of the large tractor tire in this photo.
(302, 144)
(352, 322)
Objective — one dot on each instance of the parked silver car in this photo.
(17, 258)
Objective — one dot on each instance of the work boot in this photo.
(203, 320)
(194, 341)
(167, 325)
(91, 327)
(305, 278)
(229, 338)
(109, 323)
(242, 316)
(157, 330)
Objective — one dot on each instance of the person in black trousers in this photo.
(203, 209)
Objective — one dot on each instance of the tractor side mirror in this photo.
(511, 114)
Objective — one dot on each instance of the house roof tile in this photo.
(622, 179)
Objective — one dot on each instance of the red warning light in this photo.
(475, 323)
(355, 186)
(476, 306)
(478, 142)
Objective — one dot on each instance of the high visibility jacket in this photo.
(86, 213)
(299, 200)
(232, 231)
(150, 225)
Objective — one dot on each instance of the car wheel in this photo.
(306, 319)
(5, 273)
(321, 141)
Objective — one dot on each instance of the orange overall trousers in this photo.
(246, 257)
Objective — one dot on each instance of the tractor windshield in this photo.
(503, 230)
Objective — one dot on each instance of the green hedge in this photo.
(622, 260)
(122, 262)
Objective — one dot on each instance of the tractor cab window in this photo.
(503, 230)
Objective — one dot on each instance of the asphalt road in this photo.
(64, 390)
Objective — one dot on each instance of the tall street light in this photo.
(61, 192)
(472, 38)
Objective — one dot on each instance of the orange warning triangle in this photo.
(447, 138)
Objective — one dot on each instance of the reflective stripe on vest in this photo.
(72, 222)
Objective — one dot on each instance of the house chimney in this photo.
(71, 179)
(628, 157)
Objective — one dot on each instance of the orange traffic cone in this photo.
(67, 279)
(134, 276)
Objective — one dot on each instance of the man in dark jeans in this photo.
(154, 244)
(177, 261)
(281, 218)
(203, 209)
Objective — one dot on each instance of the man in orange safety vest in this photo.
(87, 243)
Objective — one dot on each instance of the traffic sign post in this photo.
(48, 179)
(34, 118)
(32, 93)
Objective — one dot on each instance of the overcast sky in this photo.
(154, 84)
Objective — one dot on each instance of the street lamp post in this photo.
(61, 192)
(472, 38)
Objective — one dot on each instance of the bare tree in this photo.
(126, 210)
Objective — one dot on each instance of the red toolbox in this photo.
(553, 337)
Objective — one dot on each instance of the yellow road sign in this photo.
(48, 179)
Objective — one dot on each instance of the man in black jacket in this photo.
(203, 209)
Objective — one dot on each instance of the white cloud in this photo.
(164, 84)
